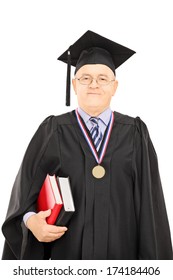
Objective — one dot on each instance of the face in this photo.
(94, 96)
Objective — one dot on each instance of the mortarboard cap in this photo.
(92, 48)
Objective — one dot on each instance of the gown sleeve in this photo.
(39, 160)
(154, 239)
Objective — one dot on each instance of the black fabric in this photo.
(95, 56)
(121, 216)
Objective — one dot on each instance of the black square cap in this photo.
(92, 48)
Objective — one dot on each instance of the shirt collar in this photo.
(104, 116)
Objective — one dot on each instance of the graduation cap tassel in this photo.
(68, 78)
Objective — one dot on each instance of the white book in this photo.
(68, 204)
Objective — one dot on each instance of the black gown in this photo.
(120, 216)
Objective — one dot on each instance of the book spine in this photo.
(63, 218)
(54, 213)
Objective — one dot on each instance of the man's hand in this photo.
(43, 231)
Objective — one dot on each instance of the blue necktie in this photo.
(95, 132)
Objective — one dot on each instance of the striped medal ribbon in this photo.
(98, 171)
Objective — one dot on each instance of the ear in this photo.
(115, 85)
(74, 85)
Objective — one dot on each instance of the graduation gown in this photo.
(120, 216)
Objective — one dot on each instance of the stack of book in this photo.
(55, 194)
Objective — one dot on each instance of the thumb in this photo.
(45, 214)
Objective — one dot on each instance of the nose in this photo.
(94, 84)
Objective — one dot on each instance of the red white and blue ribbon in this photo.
(106, 141)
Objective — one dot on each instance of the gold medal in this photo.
(98, 171)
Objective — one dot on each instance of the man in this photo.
(112, 166)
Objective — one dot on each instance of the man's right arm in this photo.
(36, 223)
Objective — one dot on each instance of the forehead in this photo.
(95, 69)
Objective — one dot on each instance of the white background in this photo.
(32, 82)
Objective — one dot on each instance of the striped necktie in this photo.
(95, 132)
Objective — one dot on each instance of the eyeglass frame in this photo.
(93, 79)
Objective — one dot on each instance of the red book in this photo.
(50, 198)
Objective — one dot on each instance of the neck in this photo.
(94, 112)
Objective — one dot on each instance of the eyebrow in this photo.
(86, 74)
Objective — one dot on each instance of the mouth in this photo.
(94, 93)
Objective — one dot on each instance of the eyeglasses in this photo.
(101, 80)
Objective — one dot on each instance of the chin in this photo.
(96, 99)
(94, 106)
(94, 103)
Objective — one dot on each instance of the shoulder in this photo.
(124, 119)
(52, 121)
(136, 122)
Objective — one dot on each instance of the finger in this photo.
(56, 229)
(52, 237)
(44, 214)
